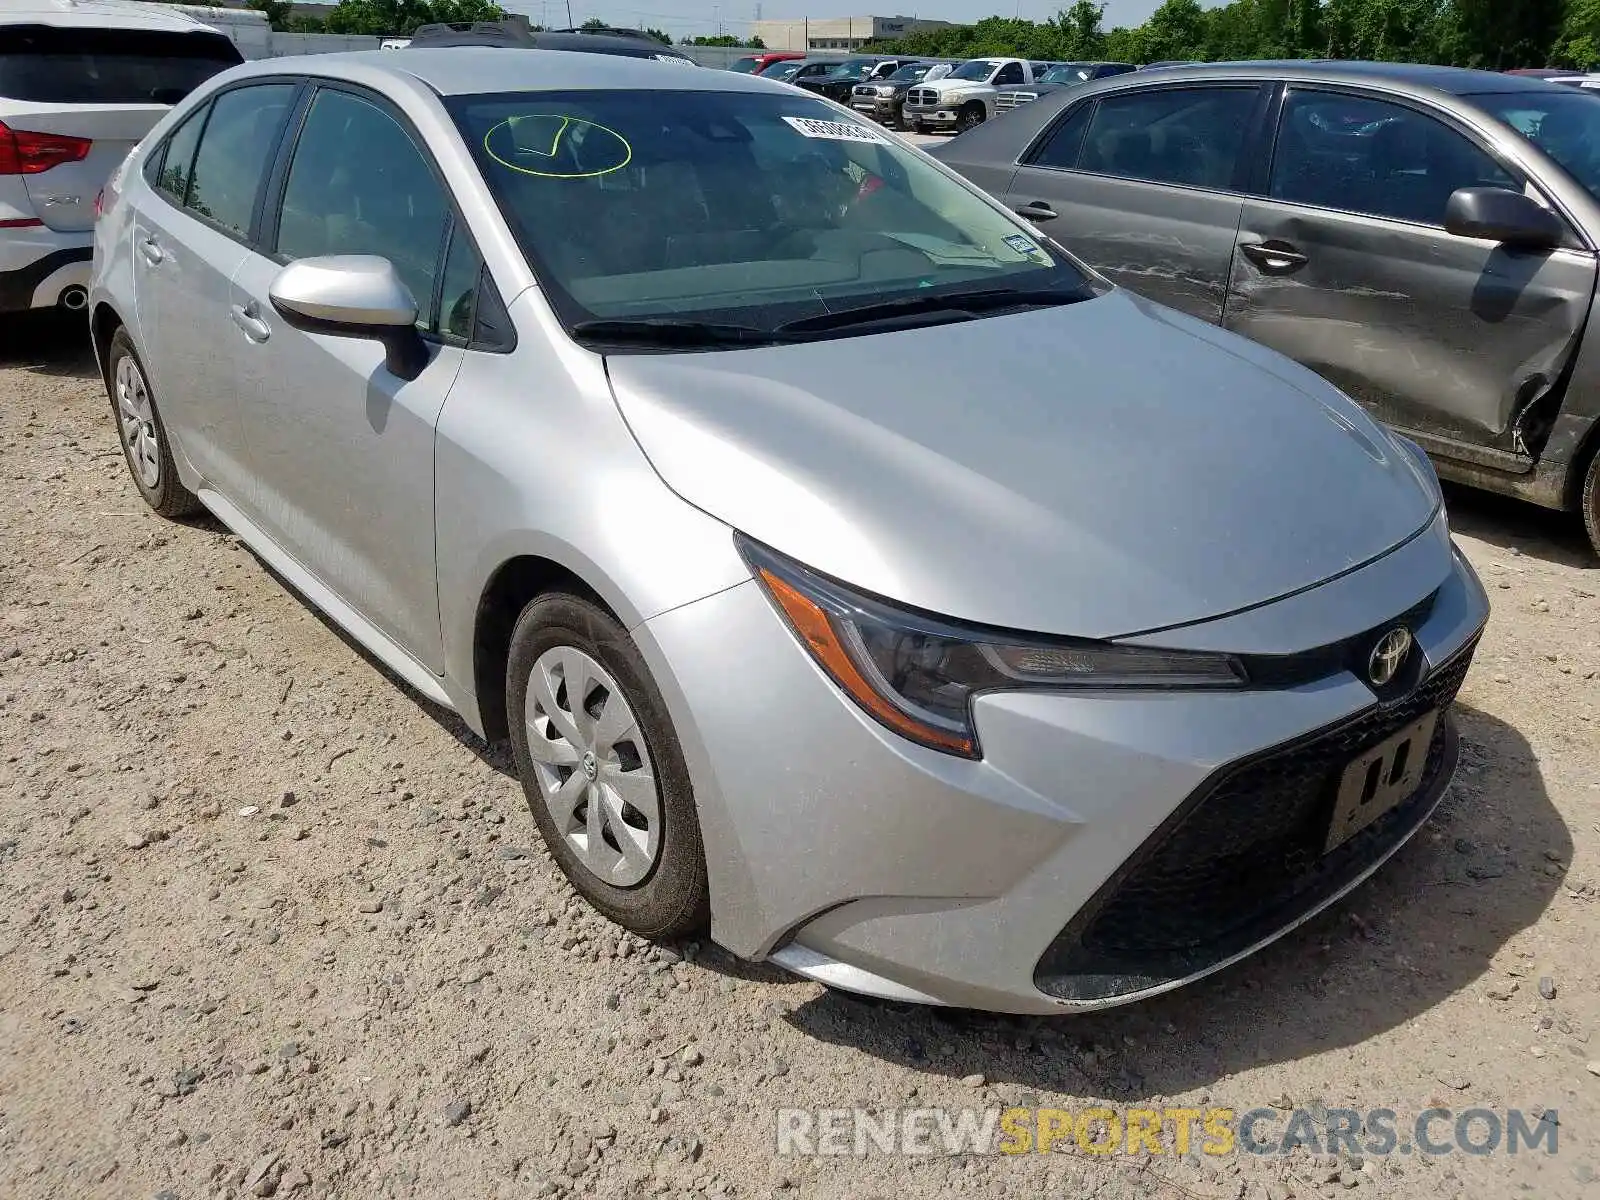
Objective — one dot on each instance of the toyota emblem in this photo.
(1388, 656)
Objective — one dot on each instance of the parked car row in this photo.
(880, 85)
(853, 573)
(1426, 238)
(1193, 680)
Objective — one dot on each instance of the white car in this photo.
(80, 84)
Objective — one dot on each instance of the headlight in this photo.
(886, 91)
(917, 674)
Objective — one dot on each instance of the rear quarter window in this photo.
(59, 65)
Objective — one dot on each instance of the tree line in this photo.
(401, 18)
(1494, 35)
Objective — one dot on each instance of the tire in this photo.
(970, 117)
(646, 870)
(145, 446)
(1591, 502)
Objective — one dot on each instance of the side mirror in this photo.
(1501, 215)
(353, 295)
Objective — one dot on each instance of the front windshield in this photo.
(855, 68)
(747, 65)
(1565, 125)
(734, 207)
(979, 69)
(910, 74)
(782, 71)
(1067, 74)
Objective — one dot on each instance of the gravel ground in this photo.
(270, 924)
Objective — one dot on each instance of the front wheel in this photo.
(970, 117)
(1591, 502)
(602, 768)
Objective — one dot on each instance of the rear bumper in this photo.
(35, 271)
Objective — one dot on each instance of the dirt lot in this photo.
(269, 923)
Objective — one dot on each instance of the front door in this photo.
(1143, 186)
(1346, 266)
(342, 450)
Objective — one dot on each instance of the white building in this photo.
(836, 33)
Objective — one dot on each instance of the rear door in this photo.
(1346, 266)
(105, 88)
(191, 234)
(1146, 187)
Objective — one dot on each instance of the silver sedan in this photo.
(853, 572)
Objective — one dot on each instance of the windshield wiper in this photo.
(985, 300)
(667, 331)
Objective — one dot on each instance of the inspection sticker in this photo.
(835, 131)
(1020, 244)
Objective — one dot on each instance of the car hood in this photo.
(1098, 469)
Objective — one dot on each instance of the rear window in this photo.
(52, 65)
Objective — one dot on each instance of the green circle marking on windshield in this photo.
(553, 146)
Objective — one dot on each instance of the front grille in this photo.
(925, 97)
(1243, 857)
(865, 91)
(1012, 99)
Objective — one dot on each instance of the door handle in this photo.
(248, 319)
(1275, 258)
(1036, 210)
(151, 249)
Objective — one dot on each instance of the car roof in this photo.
(475, 70)
(99, 14)
(1456, 81)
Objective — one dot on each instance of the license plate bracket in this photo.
(1380, 779)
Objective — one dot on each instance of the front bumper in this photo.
(918, 115)
(1088, 859)
(884, 109)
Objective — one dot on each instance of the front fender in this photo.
(552, 472)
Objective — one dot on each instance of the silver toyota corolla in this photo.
(852, 571)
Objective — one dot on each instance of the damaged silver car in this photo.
(1424, 237)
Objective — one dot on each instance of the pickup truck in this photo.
(966, 97)
(1059, 78)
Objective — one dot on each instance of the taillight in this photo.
(24, 152)
(99, 203)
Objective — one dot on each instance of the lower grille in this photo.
(1013, 99)
(1243, 857)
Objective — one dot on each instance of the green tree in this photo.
(1078, 31)
(1176, 30)
(1579, 43)
(663, 38)
(277, 12)
(400, 18)
(1500, 34)
(724, 39)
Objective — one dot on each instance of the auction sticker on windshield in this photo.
(835, 131)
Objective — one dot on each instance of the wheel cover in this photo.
(592, 767)
(138, 421)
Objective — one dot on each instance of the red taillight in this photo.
(22, 223)
(24, 152)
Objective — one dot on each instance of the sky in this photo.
(683, 18)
